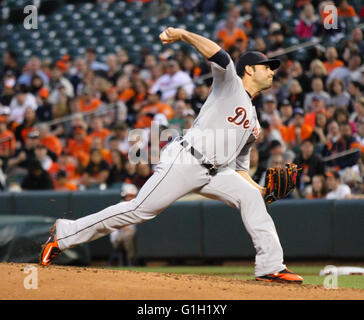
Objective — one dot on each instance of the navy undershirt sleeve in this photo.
(221, 58)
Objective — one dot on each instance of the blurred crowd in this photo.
(65, 124)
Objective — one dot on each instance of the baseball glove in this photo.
(280, 182)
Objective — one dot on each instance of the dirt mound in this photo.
(73, 283)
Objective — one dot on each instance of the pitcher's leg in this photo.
(168, 183)
(229, 187)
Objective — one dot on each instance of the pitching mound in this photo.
(73, 283)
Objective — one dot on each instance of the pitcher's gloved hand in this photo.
(279, 182)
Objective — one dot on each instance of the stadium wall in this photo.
(313, 229)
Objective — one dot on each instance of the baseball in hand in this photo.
(163, 36)
(170, 35)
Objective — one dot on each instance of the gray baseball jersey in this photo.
(227, 120)
(178, 173)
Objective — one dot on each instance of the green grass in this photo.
(309, 273)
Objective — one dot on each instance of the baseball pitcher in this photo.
(197, 163)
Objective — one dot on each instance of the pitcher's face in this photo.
(263, 76)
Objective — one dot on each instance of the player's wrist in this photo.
(183, 35)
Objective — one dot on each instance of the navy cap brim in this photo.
(273, 63)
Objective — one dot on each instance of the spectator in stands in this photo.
(44, 159)
(357, 37)
(317, 70)
(318, 136)
(269, 108)
(339, 96)
(274, 161)
(143, 173)
(79, 146)
(307, 23)
(91, 61)
(117, 172)
(263, 143)
(26, 126)
(98, 144)
(286, 112)
(190, 65)
(230, 33)
(233, 11)
(345, 142)
(8, 88)
(318, 189)
(113, 69)
(310, 163)
(121, 133)
(148, 64)
(125, 90)
(119, 110)
(87, 100)
(35, 85)
(157, 9)
(77, 74)
(256, 170)
(277, 45)
(122, 239)
(21, 101)
(37, 178)
(188, 119)
(260, 45)
(317, 92)
(342, 116)
(298, 131)
(97, 171)
(263, 18)
(181, 94)
(10, 63)
(199, 96)
(345, 10)
(277, 125)
(44, 111)
(7, 142)
(153, 107)
(130, 169)
(171, 81)
(347, 73)
(177, 122)
(333, 131)
(295, 71)
(141, 89)
(332, 61)
(59, 85)
(32, 67)
(49, 140)
(62, 183)
(354, 89)
(359, 135)
(123, 60)
(336, 189)
(296, 94)
(358, 115)
(98, 129)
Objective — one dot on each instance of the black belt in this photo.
(198, 155)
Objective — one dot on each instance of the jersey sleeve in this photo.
(222, 67)
(243, 162)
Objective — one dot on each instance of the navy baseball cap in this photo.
(252, 58)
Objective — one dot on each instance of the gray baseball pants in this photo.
(177, 174)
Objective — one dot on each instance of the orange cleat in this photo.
(285, 276)
(50, 249)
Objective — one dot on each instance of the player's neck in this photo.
(250, 88)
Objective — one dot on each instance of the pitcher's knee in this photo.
(250, 194)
